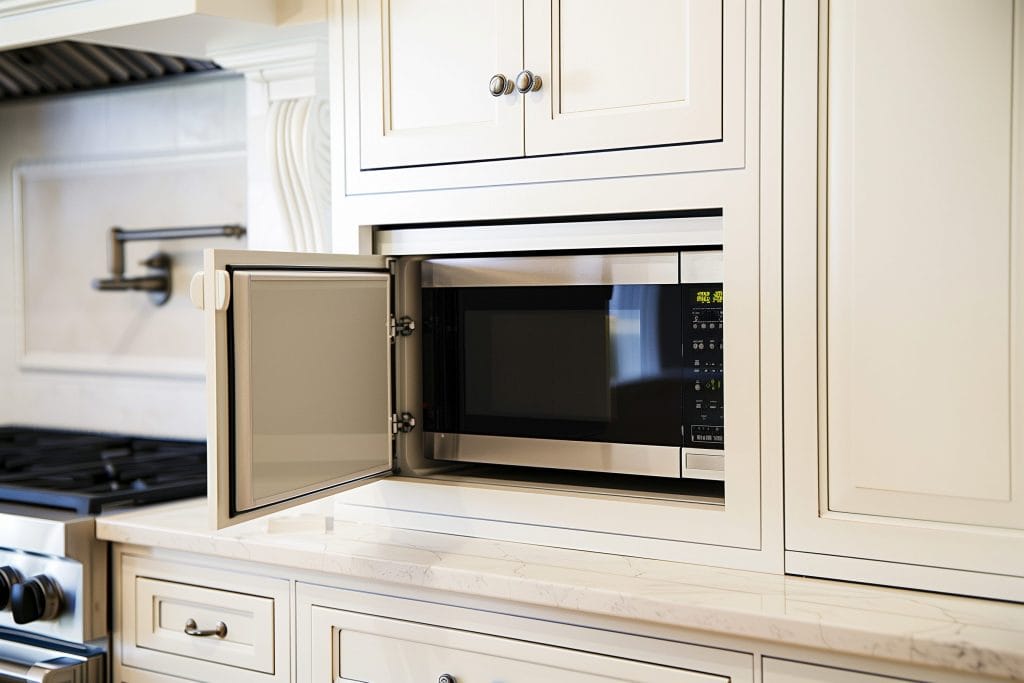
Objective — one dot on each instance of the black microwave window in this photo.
(583, 362)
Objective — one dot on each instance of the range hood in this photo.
(70, 66)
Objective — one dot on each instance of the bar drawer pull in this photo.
(192, 629)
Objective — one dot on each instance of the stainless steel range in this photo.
(53, 571)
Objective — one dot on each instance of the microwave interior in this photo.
(596, 372)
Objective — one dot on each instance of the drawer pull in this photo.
(192, 629)
(446, 678)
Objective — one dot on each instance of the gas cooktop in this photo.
(88, 472)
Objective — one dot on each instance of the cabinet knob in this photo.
(527, 81)
(500, 85)
(446, 678)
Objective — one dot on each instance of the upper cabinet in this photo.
(522, 84)
(470, 81)
(905, 281)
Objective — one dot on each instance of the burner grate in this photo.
(89, 472)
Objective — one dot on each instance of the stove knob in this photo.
(9, 576)
(36, 598)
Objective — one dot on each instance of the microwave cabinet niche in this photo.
(600, 372)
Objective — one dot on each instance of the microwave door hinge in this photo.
(403, 423)
(401, 327)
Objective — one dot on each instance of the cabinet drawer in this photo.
(164, 608)
(368, 649)
(160, 600)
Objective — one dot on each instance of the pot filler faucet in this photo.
(157, 283)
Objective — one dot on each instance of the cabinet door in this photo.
(424, 73)
(784, 671)
(905, 280)
(618, 73)
(298, 377)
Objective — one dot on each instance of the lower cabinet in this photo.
(272, 624)
(359, 638)
(200, 624)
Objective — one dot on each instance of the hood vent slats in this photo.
(69, 66)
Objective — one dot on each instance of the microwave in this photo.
(606, 363)
(329, 371)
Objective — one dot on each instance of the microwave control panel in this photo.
(703, 391)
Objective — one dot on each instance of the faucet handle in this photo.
(158, 260)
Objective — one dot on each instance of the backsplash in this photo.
(166, 155)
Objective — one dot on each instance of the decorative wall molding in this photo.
(289, 143)
(113, 361)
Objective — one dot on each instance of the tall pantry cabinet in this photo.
(904, 292)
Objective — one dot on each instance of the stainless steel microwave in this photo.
(600, 363)
(328, 371)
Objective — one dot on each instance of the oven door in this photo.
(20, 663)
(299, 361)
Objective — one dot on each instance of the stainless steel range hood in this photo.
(69, 66)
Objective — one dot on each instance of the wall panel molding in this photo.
(62, 211)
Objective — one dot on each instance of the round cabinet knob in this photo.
(446, 678)
(527, 81)
(9, 577)
(500, 85)
(34, 599)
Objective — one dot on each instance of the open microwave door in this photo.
(298, 372)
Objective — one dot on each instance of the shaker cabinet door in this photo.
(905, 285)
(620, 73)
(298, 377)
(923, 272)
(425, 76)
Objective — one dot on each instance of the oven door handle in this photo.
(58, 670)
(25, 663)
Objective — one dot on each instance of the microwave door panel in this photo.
(301, 382)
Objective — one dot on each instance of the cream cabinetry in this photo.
(904, 291)
(424, 69)
(784, 671)
(199, 623)
(428, 84)
(336, 623)
(623, 74)
(568, 76)
(355, 637)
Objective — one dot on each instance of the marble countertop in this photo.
(961, 634)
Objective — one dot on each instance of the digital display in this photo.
(709, 296)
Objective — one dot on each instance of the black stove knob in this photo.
(36, 598)
(9, 577)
